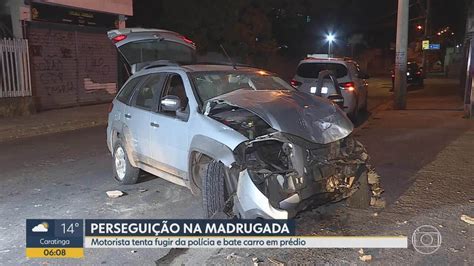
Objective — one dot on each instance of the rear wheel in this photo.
(361, 198)
(213, 190)
(124, 172)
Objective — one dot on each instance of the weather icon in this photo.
(40, 228)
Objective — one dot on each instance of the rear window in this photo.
(311, 70)
(147, 51)
(127, 91)
(412, 67)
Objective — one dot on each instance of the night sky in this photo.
(295, 24)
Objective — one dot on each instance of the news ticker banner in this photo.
(64, 238)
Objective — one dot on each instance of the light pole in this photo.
(329, 38)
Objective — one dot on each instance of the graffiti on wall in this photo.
(49, 63)
(72, 66)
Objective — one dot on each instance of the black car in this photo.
(414, 75)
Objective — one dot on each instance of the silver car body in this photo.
(243, 129)
(163, 145)
(352, 99)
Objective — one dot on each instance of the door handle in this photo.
(128, 116)
(154, 124)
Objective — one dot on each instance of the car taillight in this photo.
(111, 106)
(188, 40)
(119, 38)
(295, 83)
(418, 73)
(350, 86)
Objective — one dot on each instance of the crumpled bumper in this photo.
(250, 203)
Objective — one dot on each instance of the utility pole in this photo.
(426, 35)
(401, 55)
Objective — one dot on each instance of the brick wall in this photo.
(71, 65)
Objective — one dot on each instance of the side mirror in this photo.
(363, 75)
(170, 103)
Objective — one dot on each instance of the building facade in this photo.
(72, 60)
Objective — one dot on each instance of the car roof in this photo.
(218, 67)
(199, 68)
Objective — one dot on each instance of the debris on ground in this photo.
(365, 258)
(114, 194)
(141, 190)
(467, 219)
(377, 202)
(276, 262)
(133, 251)
(361, 251)
(453, 250)
(375, 214)
(232, 255)
(471, 200)
(373, 179)
(256, 260)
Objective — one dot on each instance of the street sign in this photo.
(435, 46)
(425, 44)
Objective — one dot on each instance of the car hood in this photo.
(297, 113)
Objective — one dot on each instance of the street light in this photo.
(330, 38)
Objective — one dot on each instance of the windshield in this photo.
(153, 50)
(212, 84)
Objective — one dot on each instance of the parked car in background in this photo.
(415, 75)
(351, 80)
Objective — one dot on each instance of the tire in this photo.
(124, 172)
(213, 190)
(361, 198)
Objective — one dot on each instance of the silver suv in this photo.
(240, 137)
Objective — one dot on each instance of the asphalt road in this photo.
(66, 175)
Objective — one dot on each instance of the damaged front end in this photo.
(299, 152)
(286, 174)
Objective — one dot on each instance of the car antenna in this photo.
(228, 57)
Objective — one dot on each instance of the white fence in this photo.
(15, 79)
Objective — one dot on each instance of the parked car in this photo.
(415, 75)
(352, 81)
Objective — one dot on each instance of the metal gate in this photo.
(14, 68)
(71, 65)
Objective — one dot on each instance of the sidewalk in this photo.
(424, 155)
(53, 121)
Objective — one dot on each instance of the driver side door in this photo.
(170, 133)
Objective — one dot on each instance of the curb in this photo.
(17, 134)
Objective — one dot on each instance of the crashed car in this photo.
(245, 140)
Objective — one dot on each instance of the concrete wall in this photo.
(16, 106)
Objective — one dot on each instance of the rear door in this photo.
(137, 118)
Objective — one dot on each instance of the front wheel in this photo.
(213, 190)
